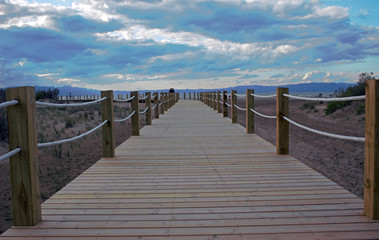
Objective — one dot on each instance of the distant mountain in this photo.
(301, 87)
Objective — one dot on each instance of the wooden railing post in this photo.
(282, 126)
(166, 100)
(156, 102)
(108, 129)
(214, 101)
(24, 167)
(371, 164)
(135, 117)
(234, 109)
(219, 101)
(161, 107)
(148, 106)
(224, 101)
(249, 113)
(184, 97)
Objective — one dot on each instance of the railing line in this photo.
(262, 96)
(69, 104)
(10, 154)
(363, 97)
(239, 108)
(350, 138)
(8, 103)
(124, 100)
(124, 119)
(262, 115)
(48, 144)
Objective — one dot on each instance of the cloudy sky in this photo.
(157, 44)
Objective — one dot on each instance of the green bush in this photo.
(356, 90)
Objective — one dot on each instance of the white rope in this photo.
(220, 102)
(263, 96)
(240, 95)
(48, 144)
(125, 100)
(262, 115)
(144, 110)
(10, 154)
(69, 104)
(155, 106)
(124, 119)
(161, 104)
(327, 99)
(227, 104)
(143, 98)
(239, 108)
(359, 139)
(8, 104)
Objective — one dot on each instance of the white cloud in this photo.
(308, 75)
(317, 60)
(34, 21)
(69, 81)
(332, 12)
(240, 51)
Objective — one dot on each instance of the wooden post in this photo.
(371, 165)
(24, 167)
(148, 105)
(107, 113)
(219, 102)
(161, 107)
(234, 109)
(282, 126)
(166, 100)
(184, 96)
(249, 113)
(215, 103)
(224, 101)
(156, 102)
(135, 117)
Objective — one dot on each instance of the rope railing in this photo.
(227, 104)
(262, 115)
(69, 104)
(124, 119)
(124, 100)
(49, 144)
(240, 95)
(155, 106)
(327, 99)
(144, 111)
(143, 98)
(8, 103)
(350, 138)
(239, 108)
(10, 154)
(263, 96)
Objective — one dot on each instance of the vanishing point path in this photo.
(195, 175)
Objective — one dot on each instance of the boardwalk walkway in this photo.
(195, 175)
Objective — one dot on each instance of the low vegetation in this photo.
(356, 90)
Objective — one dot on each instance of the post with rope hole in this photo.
(233, 108)
(24, 166)
(249, 113)
(161, 106)
(211, 99)
(107, 113)
(214, 101)
(371, 164)
(156, 104)
(282, 126)
(166, 102)
(148, 106)
(219, 101)
(224, 101)
(135, 117)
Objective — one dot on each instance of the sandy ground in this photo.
(341, 161)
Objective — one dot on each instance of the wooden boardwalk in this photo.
(195, 175)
